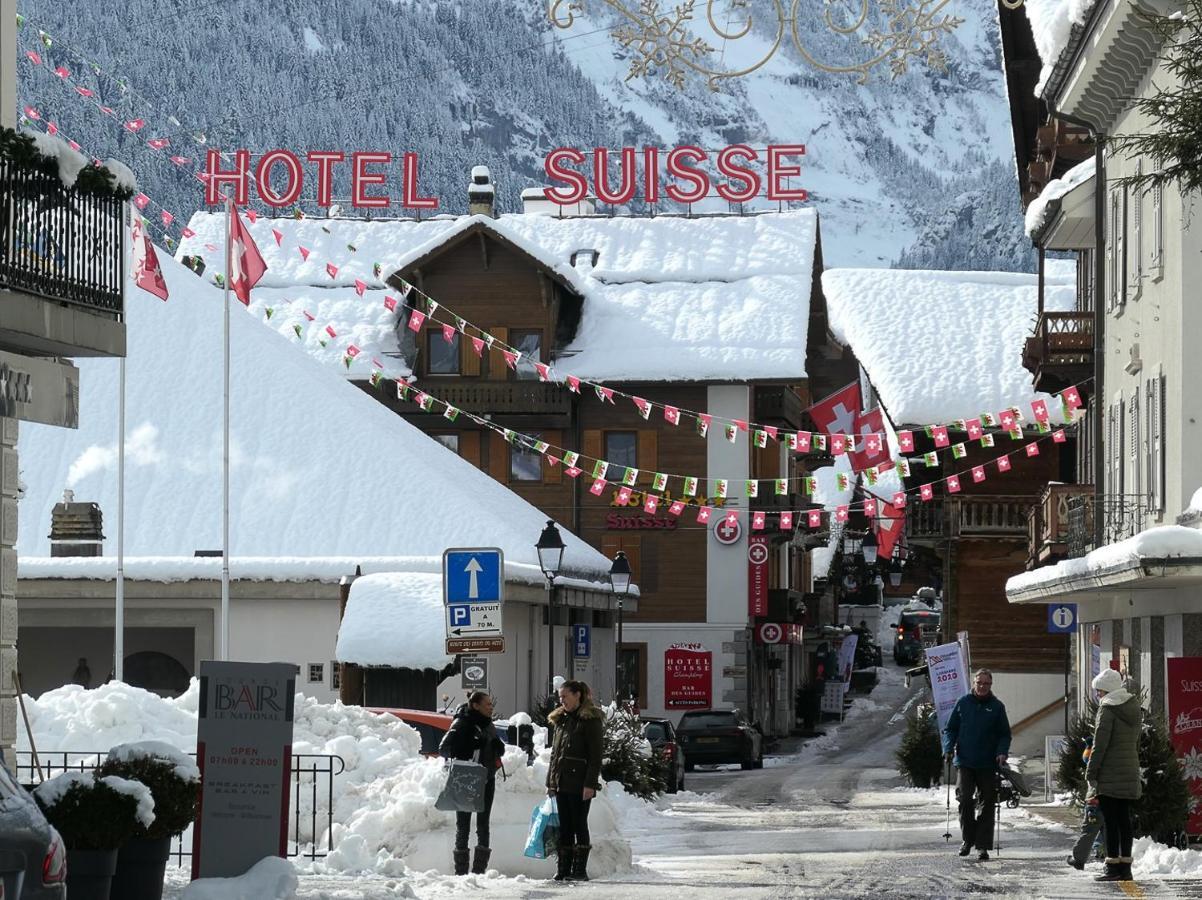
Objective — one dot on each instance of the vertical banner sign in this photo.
(244, 750)
(688, 678)
(1184, 678)
(757, 575)
(949, 678)
(847, 657)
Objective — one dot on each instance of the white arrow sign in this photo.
(473, 569)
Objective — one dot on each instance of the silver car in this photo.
(33, 863)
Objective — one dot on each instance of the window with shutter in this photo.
(1112, 243)
(1159, 435)
(1137, 239)
(1118, 446)
(1120, 250)
(1134, 445)
(1157, 231)
(1149, 448)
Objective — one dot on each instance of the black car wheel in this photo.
(680, 785)
(688, 766)
(759, 763)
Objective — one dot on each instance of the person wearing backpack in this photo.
(472, 736)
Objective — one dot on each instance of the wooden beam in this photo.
(483, 248)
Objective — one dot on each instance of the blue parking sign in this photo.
(582, 641)
(1062, 618)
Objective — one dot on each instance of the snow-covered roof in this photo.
(670, 297)
(319, 468)
(1052, 23)
(395, 619)
(1039, 210)
(941, 346)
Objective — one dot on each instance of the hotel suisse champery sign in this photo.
(736, 173)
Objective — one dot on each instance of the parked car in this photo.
(720, 736)
(431, 726)
(915, 629)
(662, 737)
(33, 863)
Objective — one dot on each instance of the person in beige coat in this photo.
(1113, 769)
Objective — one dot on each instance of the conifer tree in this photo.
(920, 755)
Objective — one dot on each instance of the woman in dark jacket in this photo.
(1113, 770)
(575, 774)
(472, 735)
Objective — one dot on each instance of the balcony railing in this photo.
(973, 516)
(62, 244)
(777, 404)
(1123, 515)
(1048, 523)
(1060, 352)
(507, 398)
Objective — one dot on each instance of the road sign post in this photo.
(473, 593)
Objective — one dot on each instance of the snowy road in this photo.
(831, 821)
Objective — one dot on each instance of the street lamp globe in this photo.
(868, 548)
(619, 574)
(550, 549)
(895, 573)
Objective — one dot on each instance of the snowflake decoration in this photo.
(1191, 765)
(661, 42)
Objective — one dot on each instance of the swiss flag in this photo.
(1003, 463)
(147, 274)
(672, 415)
(953, 484)
(978, 474)
(837, 413)
(939, 433)
(814, 518)
(1040, 409)
(246, 263)
(899, 500)
(871, 450)
(973, 427)
(1071, 398)
(676, 508)
(889, 526)
(926, 492)
(786, 520)
(905, 441)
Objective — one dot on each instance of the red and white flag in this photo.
(246, 262)
(573, 384)
(841, 513)
(939, 433)
(178, 160)
(642, 406)
(352, 351)
(598, 487)
(1032, 449)
(31, 113)
(1003, 463)
(953, 484)
(905, 441)
(135, 125)
(672, 415)
(889, 525)
(650, 504)
(899, 500)
(84, 92)
(448, 333)
(837, 413)
(279, 237)
(252, 215)
(1071, 397)
(676, 508)
(703, 514)
(801, 442)
(1040, 409)
(1058, 436)
(147, 273)
(757, 520)
(360, 286)
(331, 270)
(417, 318)
(390, 304)
(158, 143)
(188, 232)
(167, 218)
(304, 252)
(814, 518)
(786, 520)
(478, 346)
(978, 474)
(140, 201)
(871, 448)
(544, 371)
(973, 427)
(51, 128)
(331, 332)
(926, 492)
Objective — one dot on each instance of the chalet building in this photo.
(1131, 337)
(52, 308)
(718, 315)
(938, 349)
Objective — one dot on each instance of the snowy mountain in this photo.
(892, 165)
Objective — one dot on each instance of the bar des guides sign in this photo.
(757, 575)
(1184, 676)
(688, 677)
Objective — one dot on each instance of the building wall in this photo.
(726, 564)
(8, 569)
(8, 63)
(727, 643)
(51, 654)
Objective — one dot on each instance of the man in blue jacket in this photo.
(978, 737)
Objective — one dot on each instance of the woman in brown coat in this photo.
(575, 774)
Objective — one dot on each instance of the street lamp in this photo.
(550, 556)
(868, 547)
(619, 583)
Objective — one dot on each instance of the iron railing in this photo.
(1123, 515)
(60, 243)
(1048, 522)
(313, 777)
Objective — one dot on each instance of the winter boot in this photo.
(580, 862)
(966, 848)
(461, 861)
(480, 862)
(1114, 868)
(1125, 868)
(563, 872)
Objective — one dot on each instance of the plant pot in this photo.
(140, 867)
(90, 873)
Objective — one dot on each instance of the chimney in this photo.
(481, 195)
(76, 529)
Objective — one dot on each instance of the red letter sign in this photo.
(263, 177)
(325, 160)
(361, 178)
(777, 171)
(556, 172)
(677, 168)
(216, 177)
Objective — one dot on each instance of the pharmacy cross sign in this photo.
(727, 531)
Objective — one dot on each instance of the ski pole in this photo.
(947, 828)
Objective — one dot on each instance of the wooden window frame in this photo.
(433, 334)
(513, 342)
(541, 466)
(605, 435)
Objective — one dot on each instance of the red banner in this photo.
(757, 575)
(1185, 727)
(688, 677)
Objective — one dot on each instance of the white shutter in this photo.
(1137, 235)
(1121, 250)
(1157, 231)
(1150, 439)
(1158, 442)
(1134, 445)
(1111, 243)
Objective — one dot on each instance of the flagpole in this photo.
(119, 622)
(225, 450)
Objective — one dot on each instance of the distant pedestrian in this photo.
(574, 776)
(472, 735)
(1113, 769)
(82, 675)
(977, 740)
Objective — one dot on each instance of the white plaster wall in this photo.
(8, 63)
(660, 636)
(1024, 694)
(288, 630)
(1174, 645)
(726, 566)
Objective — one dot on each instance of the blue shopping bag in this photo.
(544, 830)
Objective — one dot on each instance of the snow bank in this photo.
(1152, 858)
(395, 619)
(268, 879)
(1037, 212)
(384, 819)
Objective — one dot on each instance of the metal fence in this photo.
(1123, 515)
(313, 777)
(60, 243)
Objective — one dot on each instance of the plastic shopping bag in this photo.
(464, 790)
(544, 830)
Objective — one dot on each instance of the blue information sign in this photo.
(1062, 618)
(472, 575)
(582, 641)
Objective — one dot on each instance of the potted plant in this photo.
(95, 816)
(174, 783)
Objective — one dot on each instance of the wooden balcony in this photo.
(505, 399)
(778, 405)
(953, 518)
(1048, 523)
(1060, 352)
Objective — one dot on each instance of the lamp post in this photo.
(550, 555)
(619, 583)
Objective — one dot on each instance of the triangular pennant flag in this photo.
(573, 384)
(642, 406)
(360, 286)
(771, 432)
(279, 237)
(604, 393)
(544, 371)
(304, 252)
(331, 270)
(511, 358)
(448, 334)
(478, 346)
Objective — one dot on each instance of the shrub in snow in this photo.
(627, 758)
(1163, 808)
(51, 156)
(171, 776)
(95, 813)
(920, 754)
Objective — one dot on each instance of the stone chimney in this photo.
(76, 529)
(481, 194)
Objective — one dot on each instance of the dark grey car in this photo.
(33, 863)
(717, 736)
